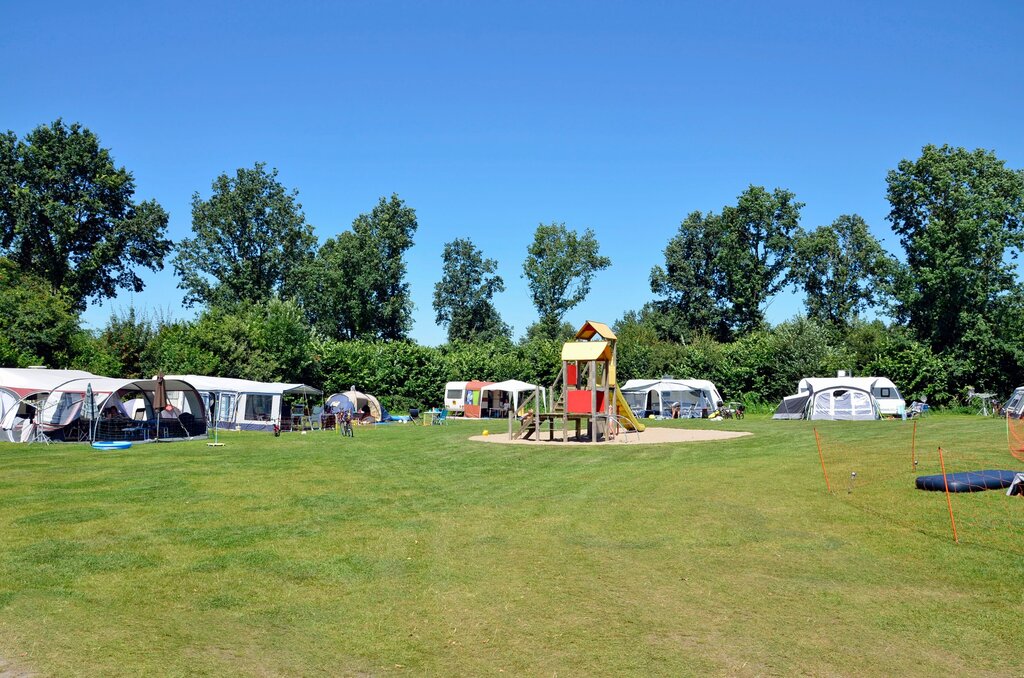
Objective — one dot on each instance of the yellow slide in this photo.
(626, 414)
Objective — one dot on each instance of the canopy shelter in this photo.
(658, 397)
(242, 404)
(22, 390)
(838, 403)
(511, 388)
(95, 408)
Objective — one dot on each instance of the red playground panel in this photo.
(579, 402)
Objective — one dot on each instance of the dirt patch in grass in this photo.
(651, 435)
(9, 670)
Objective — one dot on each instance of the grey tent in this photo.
(792, 407)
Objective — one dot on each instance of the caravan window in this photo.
(259, 407)
(884, 393)
(454, 394)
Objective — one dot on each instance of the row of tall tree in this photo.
(959, 215)
(72, 233)
(67, 217)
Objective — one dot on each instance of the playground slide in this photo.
(626, 414)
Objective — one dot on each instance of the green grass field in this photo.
(411, 550)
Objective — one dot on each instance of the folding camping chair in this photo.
(316, 419)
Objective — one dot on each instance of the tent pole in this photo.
(592, 383)
(565, 401)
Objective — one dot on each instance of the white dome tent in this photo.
(887, 396)
(831, 403)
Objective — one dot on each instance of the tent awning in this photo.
(26, 380)
(228, 385)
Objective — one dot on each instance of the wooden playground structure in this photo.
(585, 393)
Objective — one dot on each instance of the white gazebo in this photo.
(514, 387)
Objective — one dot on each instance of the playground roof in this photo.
(587, 350)
(591, 327)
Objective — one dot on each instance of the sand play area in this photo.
(652, 435)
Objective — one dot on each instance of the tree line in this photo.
(276, 304)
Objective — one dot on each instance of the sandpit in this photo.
(651, 436)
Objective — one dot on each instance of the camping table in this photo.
(429, 416)
(138, 429)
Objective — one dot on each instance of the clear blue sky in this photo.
(489, 118)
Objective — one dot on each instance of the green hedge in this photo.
(271, 342)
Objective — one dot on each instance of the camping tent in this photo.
(1014, 407)
(830, 403)
(339, 402)
(20, 389)
(246, 405)
(95, 407)
(357, 402)
(656, 396)
(792, 407)
(513, 387)
(885, 393)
